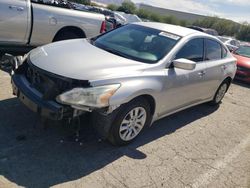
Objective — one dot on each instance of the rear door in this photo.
(216, 65)
(14, 17)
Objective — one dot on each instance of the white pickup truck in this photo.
(31, 23)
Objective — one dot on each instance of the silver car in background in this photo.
(231, 43)
(127, 78)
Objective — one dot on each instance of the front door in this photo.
(185, 87)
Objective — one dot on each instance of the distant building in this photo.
(167, 12)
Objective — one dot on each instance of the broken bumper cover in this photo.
(33, 100)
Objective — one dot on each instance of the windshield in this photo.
(243, 51)
(138, 43)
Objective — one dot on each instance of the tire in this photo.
(124, 128)
(220, 93)
(1, 55)
(66, 36)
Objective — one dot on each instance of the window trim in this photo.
(223, 49)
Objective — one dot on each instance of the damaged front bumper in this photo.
(33, 100)
(37, 89)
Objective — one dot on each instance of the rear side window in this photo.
(224, 52)
(193, 50)
(213, 50)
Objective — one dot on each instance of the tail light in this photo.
(103, 27)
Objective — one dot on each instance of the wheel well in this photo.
(151, 102)
(229, 81)
(79, 32)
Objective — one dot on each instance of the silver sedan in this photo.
(127, 78)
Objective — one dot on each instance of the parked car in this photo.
(111, 20)
(125, 18)
(230, 42)
(127, 78)
(30, 23)
(205, 30)
(242, 54)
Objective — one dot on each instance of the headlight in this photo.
(92, 97)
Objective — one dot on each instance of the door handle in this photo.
(202, 73)
(16, 7)
(20, 8)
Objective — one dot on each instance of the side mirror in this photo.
(184, 64)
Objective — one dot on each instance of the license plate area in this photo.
(30, 104)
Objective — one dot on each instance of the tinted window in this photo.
(213, 50)
(138, 43)
(193, 50)
(224, 52)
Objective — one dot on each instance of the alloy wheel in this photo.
(221, 92)
(133, 123)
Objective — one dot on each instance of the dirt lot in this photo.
(200, 147)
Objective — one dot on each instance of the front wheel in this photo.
(130, 121)
(220, 93)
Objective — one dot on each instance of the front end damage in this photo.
(38, 89)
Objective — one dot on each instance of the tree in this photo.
(142, 13)
(170, 20)
(155, 17)
(127, 7)
(85, 2)
(112, 7)
(223, 26)
(183, 23)
(244, 33)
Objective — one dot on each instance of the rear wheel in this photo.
(220, 93)
(132, 118)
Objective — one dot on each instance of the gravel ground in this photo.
(199, 147)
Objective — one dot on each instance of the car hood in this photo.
(78, 59)
(242, 61)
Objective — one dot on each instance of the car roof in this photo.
(227, 37)
(178, 30)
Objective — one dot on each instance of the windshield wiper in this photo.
(116, 52)
(91, 41)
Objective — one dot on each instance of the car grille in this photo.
(48, 84)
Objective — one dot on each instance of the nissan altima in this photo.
(127, 78)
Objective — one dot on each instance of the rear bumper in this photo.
(31, 98)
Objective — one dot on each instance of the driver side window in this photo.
(192, 50)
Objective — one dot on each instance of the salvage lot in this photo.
(199, 147)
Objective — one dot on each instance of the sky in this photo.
(237, 10)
